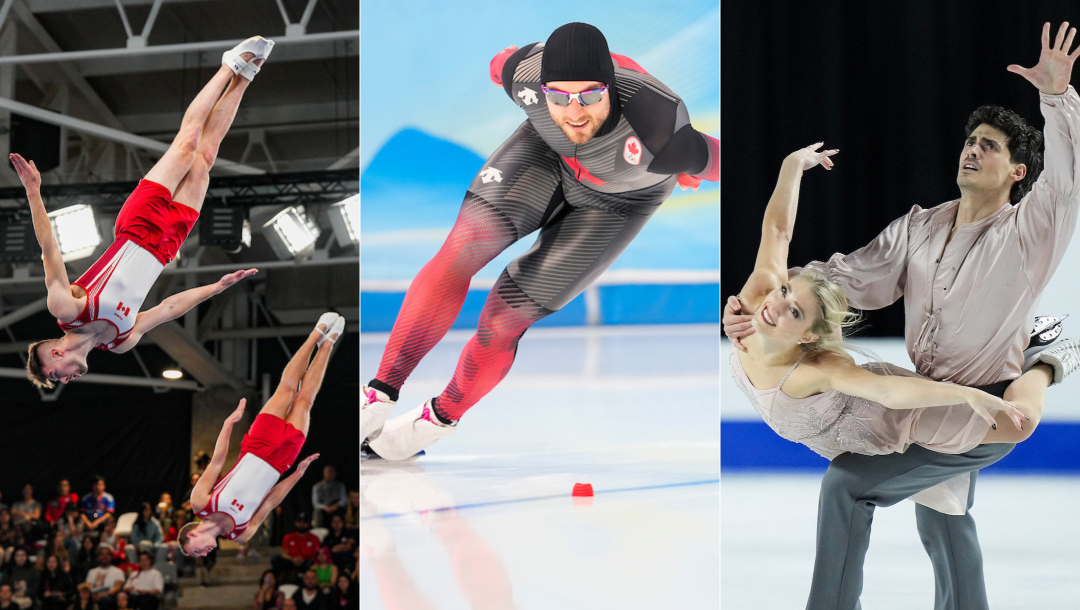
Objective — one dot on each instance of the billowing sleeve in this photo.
(1046, 217)
(873, 276)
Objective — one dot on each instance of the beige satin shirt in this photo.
(969, 303)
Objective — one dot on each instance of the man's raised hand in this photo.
(307, 462)
(1054, 70)
(234, 277)
(809, 157)
(238, 414)
(27, 171)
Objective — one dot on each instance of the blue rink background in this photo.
(748, 444)
(431, 115)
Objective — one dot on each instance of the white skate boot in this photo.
(373, 413)
(1046, 330)
(405, 435)
(1064, 358)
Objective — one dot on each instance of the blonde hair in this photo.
(833, 315)
(182, 539)
(33, 366)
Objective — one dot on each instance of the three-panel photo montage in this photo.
(420, 305)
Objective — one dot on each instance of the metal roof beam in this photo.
(166, 49)
(138, 63)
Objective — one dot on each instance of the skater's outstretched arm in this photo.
(177, 305)
(62, 304)
(833, 371)
(200, 495)
(276, 495)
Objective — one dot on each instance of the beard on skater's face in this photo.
(579, 123)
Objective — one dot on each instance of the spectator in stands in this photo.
(98, 506)
(340, 541)
(85, 559)
(183, 562)
(146, 585)
(191, 485)
(10, 536)
(310, 596)
(6, 602)
(288, 604)
(343, 595)
(26, 513)
(123, 601)
(146, 532)
(268, 597)
(55, 588)
(84, 599)
(72, 526)
(55, 548)
(201, 460)
(108, 534)
(325, 570)
(299, 545)
(164, 510)
(352, 511)
(54, 510)
(328, 497)
(105, 580)
(23, 578)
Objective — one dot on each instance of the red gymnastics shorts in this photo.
(151, 219)
(273, 440)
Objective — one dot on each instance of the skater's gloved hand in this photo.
(27, 171)
(496, 67)
(234, 277)
(687, 181)
(985, 404)
(1051, 75)
(737, 324)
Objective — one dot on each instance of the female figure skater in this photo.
(809, 390)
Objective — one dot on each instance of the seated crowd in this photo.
(323, 569)
(68, 555)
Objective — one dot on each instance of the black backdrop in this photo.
(888, 83)
(141, 441)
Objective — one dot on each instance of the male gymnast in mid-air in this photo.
(604, 145)
(101, 309)
(236, 506)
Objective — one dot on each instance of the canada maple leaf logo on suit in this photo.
(632, 151)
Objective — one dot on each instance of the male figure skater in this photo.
(970, 271)
(603, 146)
(236, 506)
(101, 309)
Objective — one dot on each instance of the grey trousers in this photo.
(855, 484)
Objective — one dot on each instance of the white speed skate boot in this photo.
(376, 408)
(1063, 357)
(406, 435)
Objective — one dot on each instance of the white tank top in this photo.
(240, 492)
(116, 286)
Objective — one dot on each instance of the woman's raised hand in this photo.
(810, 156)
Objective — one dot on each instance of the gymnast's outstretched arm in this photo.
(62, 304)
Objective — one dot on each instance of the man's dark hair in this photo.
(1024, 141)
